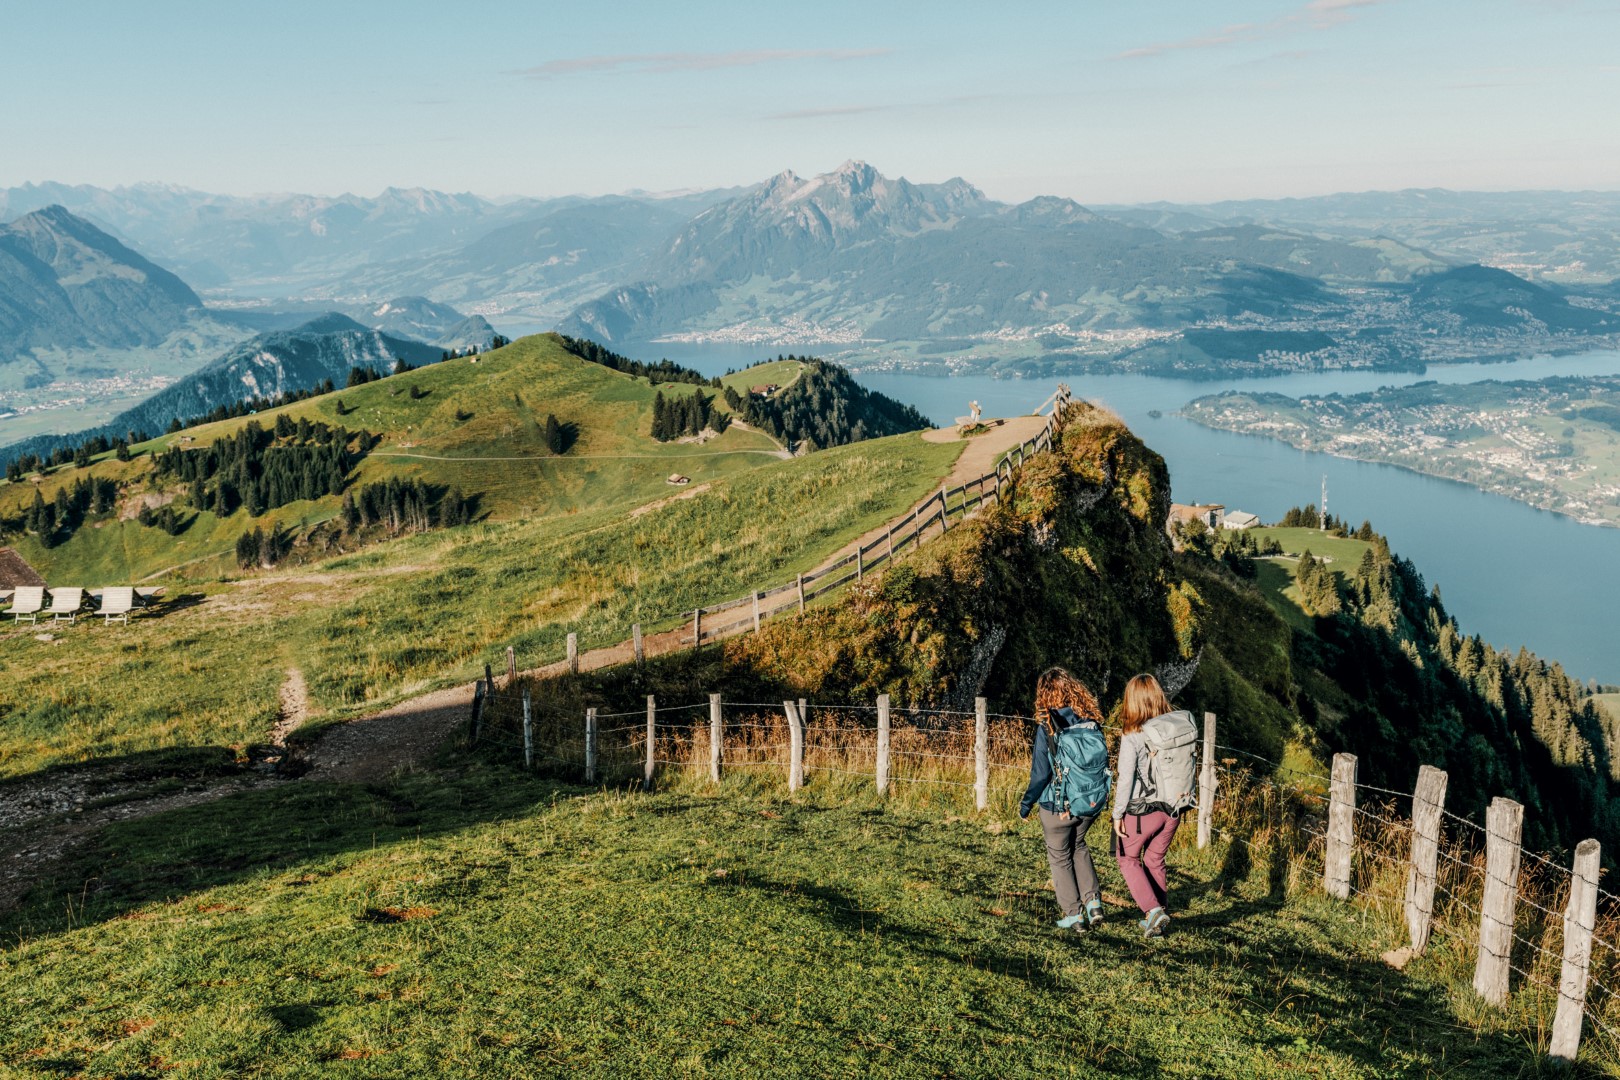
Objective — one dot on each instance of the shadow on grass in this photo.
(133, 863)
(1270, 958)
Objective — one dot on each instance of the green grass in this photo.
(477, 425)
(686, 933)
(1275, 575)
(780, 372)
(369, 628)
(1611, 702)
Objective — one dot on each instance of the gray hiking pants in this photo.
(1073, 877)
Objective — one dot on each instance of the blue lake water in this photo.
(1511, 573)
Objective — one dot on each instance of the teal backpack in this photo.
(1079, 755)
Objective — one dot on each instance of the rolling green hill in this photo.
(587, 541)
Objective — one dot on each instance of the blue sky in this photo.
(1124, 101)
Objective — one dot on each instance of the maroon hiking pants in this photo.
(1140, 854)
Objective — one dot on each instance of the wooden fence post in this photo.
(801, 594)
(795, 746)
(1504, 823)
(590, 746)
(511, 665)
(889, 538)
(860, 563)
(1428, 803)
(756, 611)
(1206, 784)
(477, 713)
(697, 627)
(1580, 915)
(883, 744)
(981, 755)
(652, 744)
(716, 737)
(573, 653)
(635, 635)
(528, 733)
(1341, 829)
(944, 525)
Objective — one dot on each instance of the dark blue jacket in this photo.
(1040, 776)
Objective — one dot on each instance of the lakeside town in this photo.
(1552, 443)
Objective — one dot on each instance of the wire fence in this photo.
(1272, 816)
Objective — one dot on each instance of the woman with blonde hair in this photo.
(1156, 768)
(1068, 777)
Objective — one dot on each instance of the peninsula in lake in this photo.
(1553, 443)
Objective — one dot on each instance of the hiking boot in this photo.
(1068, 922)
(1094, 913)
(1155, 924)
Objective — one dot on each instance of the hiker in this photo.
(1157, 748)
(1068, 776)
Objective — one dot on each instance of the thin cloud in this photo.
(1316, 15)
(855, 110)
(664, 63)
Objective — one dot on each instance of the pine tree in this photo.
(554, 436)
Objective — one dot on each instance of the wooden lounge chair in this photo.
(117, 603)
(65, 604)
(28, 603)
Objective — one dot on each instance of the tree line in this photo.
(825, 407)
(259, 470)
(675, 417)
(55, 521)
(662, 372)
(392, 507)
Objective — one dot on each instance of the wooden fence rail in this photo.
(1494, 936)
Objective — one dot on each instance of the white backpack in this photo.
(1169, 779)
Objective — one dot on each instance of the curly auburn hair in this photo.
(1058, 688)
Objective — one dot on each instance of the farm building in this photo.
(1240, 519)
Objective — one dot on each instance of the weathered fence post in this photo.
(1341, 829)
(1580, 915)
(528, 733)
(652, 744)
(801, 594)
(697, 627)
(489, 681)
(590, 746)
(1428, 802)
(860, 562)
(883, 745)
(573, 653)
(756, 611)
(716, 737)
(635, 635)
(1504, 822)
(511, 665)
(889, 539)
(795, 746)
(981, 755)
(477, 713)
(1206, 784)
(944, 525)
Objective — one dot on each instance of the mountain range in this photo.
(64, 283)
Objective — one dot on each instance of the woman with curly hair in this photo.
(1068, 777)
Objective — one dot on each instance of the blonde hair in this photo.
(1144, 699)
(1057, 688)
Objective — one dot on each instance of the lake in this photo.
(1509, 572)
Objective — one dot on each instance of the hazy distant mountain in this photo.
(1571, 237)
(855, 254)
(65, 284)
(274, 363)
(535, 270)
(420, 319)
(286, 245)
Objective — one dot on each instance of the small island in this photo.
(1553, 443)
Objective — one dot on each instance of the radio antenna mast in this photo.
(1324, 500)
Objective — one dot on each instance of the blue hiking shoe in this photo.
(1068, 921)
(1155, 924)
(1094, 913)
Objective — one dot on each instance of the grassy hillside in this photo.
(1276, 574)
(491, 923)
(477, 424)
(434, 607)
